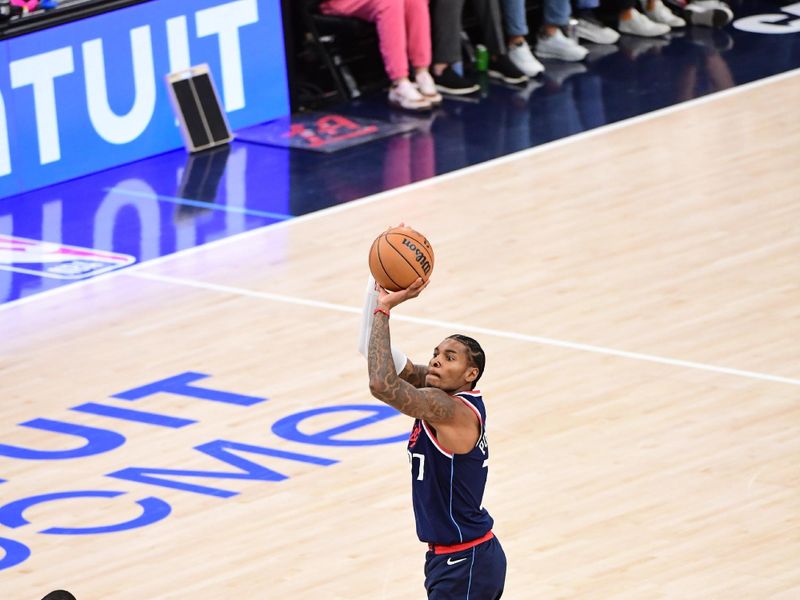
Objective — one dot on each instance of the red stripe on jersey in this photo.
(472, 406)
(477, 414)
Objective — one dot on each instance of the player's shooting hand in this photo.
(388, 300)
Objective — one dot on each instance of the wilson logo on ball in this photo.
(423, 262)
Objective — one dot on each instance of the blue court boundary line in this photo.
(200, 204)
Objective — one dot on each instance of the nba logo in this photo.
(58, 261)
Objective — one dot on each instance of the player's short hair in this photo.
(475, 354)
(59, 595)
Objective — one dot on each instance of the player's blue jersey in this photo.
(447, 488)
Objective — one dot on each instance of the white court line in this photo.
(417, 185)
(461, 327)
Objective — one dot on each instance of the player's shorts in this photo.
(478, 573)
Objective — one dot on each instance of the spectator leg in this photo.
(490, 18)
(389, 19)
(418, 28)
(446, 29)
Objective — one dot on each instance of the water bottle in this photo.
(481, 58)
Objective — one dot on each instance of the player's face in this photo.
(449, 368)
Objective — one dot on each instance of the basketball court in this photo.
(642, 384)
(199, 425)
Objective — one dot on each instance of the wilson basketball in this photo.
(398, 256)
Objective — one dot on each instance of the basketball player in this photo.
(447, 449)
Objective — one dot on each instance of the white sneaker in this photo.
(561, 47)
(661, 14)
(640, 25)
(405, 95)
(427, 87)
(520, 54)
(598, 33)
(710, 13)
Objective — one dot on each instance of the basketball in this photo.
(398, 256)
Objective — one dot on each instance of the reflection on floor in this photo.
(174, 201)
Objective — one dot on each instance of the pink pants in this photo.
(404, 29)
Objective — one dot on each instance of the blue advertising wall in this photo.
(89, 95)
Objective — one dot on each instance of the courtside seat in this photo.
(340, 43)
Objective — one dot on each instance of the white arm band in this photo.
(367, 315)
(400, 360)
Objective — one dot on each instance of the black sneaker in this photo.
(503, 69)
(450, 82)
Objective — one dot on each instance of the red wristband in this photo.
(380, 310)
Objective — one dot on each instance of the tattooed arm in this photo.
(456, 425)
(429, 404)
(414, 374)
